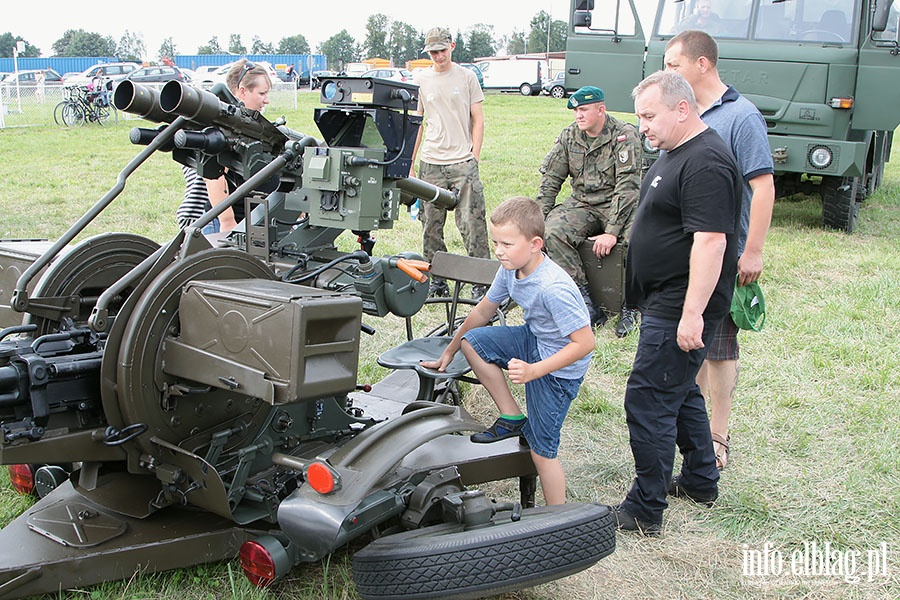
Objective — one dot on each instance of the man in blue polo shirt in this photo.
(694, 54)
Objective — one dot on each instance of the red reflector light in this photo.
(320, 478)
(22, 478)
(257, 563)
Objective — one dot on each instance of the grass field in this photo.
(815, 427)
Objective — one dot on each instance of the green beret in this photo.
(748, 307)
(586, 95)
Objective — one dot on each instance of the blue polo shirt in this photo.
(743, 128)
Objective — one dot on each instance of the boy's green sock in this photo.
(512, 417)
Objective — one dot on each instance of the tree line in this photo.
(384, 38)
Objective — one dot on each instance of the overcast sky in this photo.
(191, 23)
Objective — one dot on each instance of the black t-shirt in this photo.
(695, 187)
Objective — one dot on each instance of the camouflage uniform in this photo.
(606, 180)
(469, 212)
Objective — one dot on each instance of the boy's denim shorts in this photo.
(547, 399)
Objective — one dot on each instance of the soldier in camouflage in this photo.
(602, 155)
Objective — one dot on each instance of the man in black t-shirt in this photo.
(682, 262)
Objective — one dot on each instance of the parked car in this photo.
(474, 68)
(297, 77)
(29, 77)
(211, 74)
(114, 72)
(556, 87)
(395, 74)
(157, 74)
(200, 73)
(219, 75)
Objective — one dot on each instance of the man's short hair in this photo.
(696, 43)
(524, 213)
(673, 88)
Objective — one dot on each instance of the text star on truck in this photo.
(823, 74)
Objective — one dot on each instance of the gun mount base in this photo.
(38, 549)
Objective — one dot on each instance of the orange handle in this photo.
(412, 269)
(422, 265)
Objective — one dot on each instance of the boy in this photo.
(550, 354)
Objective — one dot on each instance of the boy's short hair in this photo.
(522, 212)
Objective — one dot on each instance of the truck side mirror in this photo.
(581, 5)
(581, 18)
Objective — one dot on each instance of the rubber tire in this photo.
(840, 202)
(444, 561)
(558, 91)
(526, 90)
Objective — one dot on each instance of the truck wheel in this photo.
(526, 90)
(558, 91)
(446, 561)
(840, 205)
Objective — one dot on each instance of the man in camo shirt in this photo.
(602, 155)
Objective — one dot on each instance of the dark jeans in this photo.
(664, 407)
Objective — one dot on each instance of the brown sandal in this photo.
(721, 450)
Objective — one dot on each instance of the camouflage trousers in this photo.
(566, 226)
(469, 212)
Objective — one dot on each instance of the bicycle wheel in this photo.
(72, 115)
(57, 112)
(107, 115)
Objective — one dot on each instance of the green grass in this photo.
(815, 427)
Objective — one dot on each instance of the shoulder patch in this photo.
(623, 156)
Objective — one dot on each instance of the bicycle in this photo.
(82, 104)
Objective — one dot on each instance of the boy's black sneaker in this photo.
(679, 490)
(625, 521)
(500, 430)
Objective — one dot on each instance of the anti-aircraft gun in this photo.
(206, 390)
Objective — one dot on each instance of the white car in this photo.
(114, 72)
(395, 74)
(219, 74)
(203, 74)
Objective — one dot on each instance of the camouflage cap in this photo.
(586, 95)
(437, 38)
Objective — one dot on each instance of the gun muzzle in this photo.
(197, 105)
(210, 140)
(438, 196)
(141, 136)
(142, 101)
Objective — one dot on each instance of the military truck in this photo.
(822, 72)
(206, 393)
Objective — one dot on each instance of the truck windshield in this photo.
(825, 21)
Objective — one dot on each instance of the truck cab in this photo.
(818, 71)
